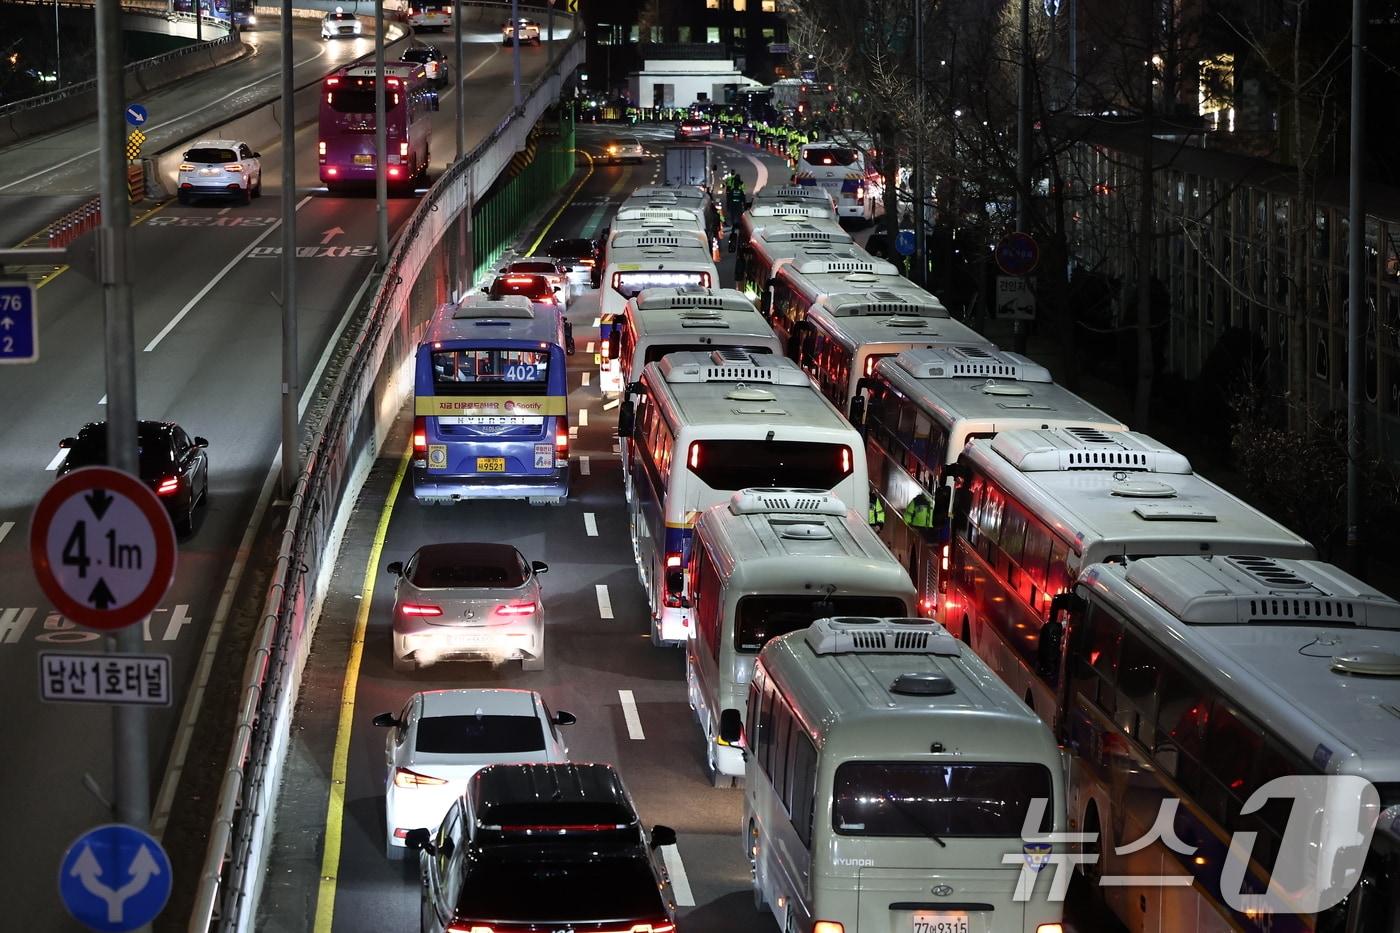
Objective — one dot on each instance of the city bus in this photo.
(1037, 506)
(796, 286)
(920, 408)
(764, 564)
(1199, 679)
(490, 403)
(841, 336)
(345, 139)
(424, 15)
(841, 171)
(701, 426)
(766, 243)
(894, 785)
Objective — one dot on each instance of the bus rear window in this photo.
(516, 370)
(760, 619)
(359, 99)
(913, 799)
(632, 284)
(656, 351)
(742, 464)
(833, 155)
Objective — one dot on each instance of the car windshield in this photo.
(211, 154)
(505, 884)
(534, 287)
(479, 735)
(441, 566)
(155, 456)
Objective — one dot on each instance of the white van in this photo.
(766, 563)
(889, 781)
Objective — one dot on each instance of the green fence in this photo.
(514, 202)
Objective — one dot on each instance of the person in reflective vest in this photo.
(919, 513)
(875, 516)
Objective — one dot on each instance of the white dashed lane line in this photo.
(597, 322)
(584, 467)
(590, 347)
(583, 417)
(58, 459)
(680, 883)
(609, 406)
(604, 601)
(590, 525)
(630, 716)
(5, 529)
(584, 377)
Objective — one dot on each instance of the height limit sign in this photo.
(103, 548)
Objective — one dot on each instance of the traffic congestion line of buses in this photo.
(822, 461)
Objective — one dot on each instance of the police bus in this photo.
(889, 782)
(922, 407)
(798, 285)
(1200, 679)
(701, 426)
(1037, 506)
(841, 336)
(768, 562)
(790, 193)
(841, 170)
(490, 403)
(639, 260)
(766, 244)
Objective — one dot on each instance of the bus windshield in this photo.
(905, 798)
(494, 369)
(760, 619)
(657, 350)
(359, 100)
(830, 156)
(725, 464)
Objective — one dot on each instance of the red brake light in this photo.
(845, 461)
(331, 170)
(168, 486)
(559, 827)
(392, 82)
(420, 435)
(332, 82)
(694, 458)
(420, 610)
(406, 778)
(673, 559)
(561, 439)
(519, 280)
(393, 172)
(516, 609)
(474, 928)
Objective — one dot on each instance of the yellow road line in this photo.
(567, 201)
(335, 806)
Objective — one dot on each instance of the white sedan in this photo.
(626, 150)
(341, 25)
(529, 32)
(442, 737)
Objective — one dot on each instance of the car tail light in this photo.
(332, 82)
(321, 147)
(406, 778)
(233, 166)
(473, 928)
(516, 609)
(187, 166)
(393, 171)
(168, 486)
(420, 610)
(828, 926)
(403, 150)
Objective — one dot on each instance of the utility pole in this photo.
(1023, 150)
(1142, 394)
(381, 170)
(515, 46)
(920, 186)
(131, 769)
(291, 418)
(459, 81)
(550, 54)
(1356, 272)
(198, 22)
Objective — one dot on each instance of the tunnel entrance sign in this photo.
(103, 547)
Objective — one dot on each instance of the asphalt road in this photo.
(208, 344)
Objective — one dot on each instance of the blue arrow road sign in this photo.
(19, 323)
(136, 114)
(904, 243)
(114, 878)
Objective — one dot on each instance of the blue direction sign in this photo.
(114, 878)
(1018, 254)
(904, 243)
(19, 323)
(136, 114)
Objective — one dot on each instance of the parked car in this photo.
(465, 601)
(341, 25)
(544, 847)
(173, 464)
(219, 168)
(442, 737)
(433, 60)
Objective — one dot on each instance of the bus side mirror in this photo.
(731, 726)
(1061, 603)
(420, 840)
(857, 416)
(626, 418)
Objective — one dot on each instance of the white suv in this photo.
(220, 168)
(528, 28)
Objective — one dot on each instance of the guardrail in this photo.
(364, 400)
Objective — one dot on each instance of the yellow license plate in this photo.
(364, 160)
(490, 464)
(951, 921)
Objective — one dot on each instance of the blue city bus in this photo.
(490, 403)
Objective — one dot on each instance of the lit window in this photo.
(741, 5)
(712, 4)
(769, 34)
(712, 35)
(740, 33)
(770, 6)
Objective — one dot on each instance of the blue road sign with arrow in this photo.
(114, 878)
(19, 323)
(136, 114)
(904, 243)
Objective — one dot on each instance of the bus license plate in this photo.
(490, 464)
(364, 159)
(926, 921)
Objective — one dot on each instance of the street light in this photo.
(57, 48)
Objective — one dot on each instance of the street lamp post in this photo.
(57, 48)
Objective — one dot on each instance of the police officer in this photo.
(919, 513)
(875, 515)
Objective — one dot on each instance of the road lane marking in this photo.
(629, 715)
(584, 379)
(549, 224)
(584, 467)
(590, 525)
(155, 341)
(102, 400)
(224, 211)
(604, 602)
(589, 348)
(680, 882)
(335, 806)
(5, 529)
(609, 406)
(583, 417)
(58, 459)
(597, 322)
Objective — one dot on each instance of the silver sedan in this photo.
(468, 602)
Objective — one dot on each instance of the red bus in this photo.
(346, 138)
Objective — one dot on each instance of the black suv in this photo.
(540, 847)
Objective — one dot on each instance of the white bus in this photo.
(890, 778)
(806, 194)
(1038, 506)
(766, 244)
(841, 336)
(796, 286)
(706, 425)
(842, 172)
(636, 261)
(1200, 679)
(918, 410)
(667, 320)
(767, 563)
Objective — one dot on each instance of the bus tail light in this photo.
(321, 147)
(420, 441)
(406, 778)
(604, 351)
(561, 444)
(828, 926)
(1049, 928)
(674, 586)
(393, 171)
(947, 551)
(694, 458)
(332, 170)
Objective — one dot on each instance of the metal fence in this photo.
(497, 221)
(363, 401)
